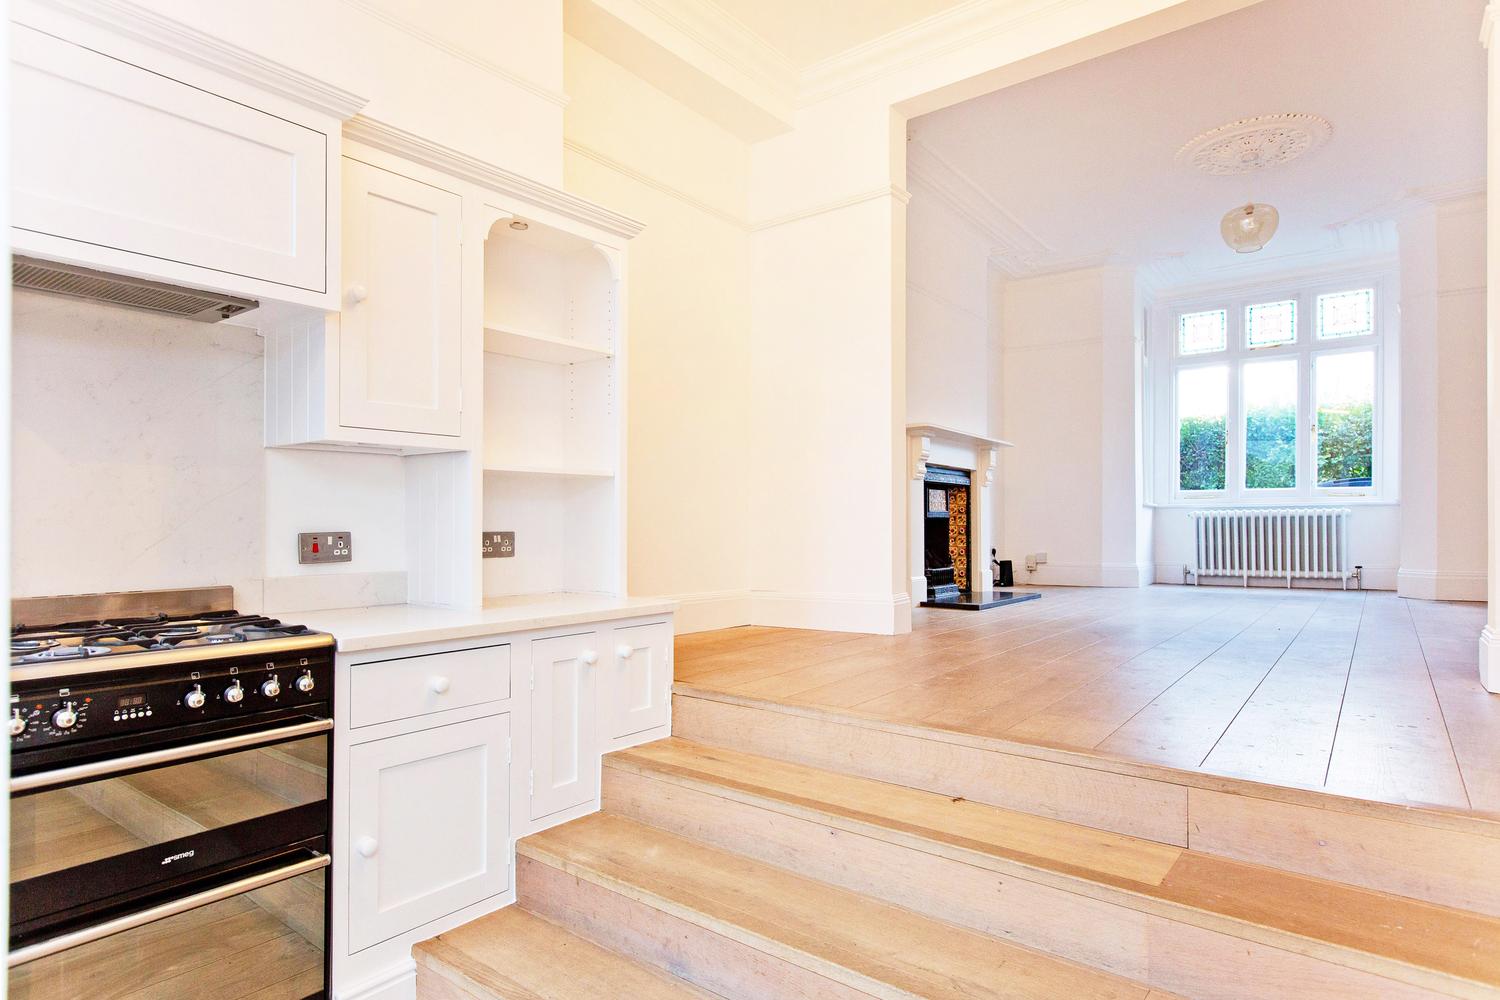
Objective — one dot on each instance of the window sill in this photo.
(1291, 503)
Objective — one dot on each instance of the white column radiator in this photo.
(1290, 544)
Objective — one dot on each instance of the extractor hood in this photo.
(122, 290)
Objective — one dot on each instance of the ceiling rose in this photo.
(1255, 143)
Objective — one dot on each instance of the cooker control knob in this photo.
(305, 682)
(17, 723)
(195, 698)
(271, 688)
(234, 693)
(65, 717)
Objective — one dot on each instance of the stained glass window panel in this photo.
(1203, 332)
(1346, 314)
(1271, 324)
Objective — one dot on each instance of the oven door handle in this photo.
(130, 921)
(155, 758)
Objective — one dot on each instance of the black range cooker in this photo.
(170, 799)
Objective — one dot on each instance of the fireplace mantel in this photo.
(979, 454)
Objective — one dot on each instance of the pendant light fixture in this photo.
(1250, 227)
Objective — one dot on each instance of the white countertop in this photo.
(405, 624)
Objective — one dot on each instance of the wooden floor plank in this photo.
(515, 955)
(1284, 734)
(1181, 725)
(1392, 742)
(1200, 889)
(843, 934)
(1209, 678)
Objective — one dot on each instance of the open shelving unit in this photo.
(552, 441)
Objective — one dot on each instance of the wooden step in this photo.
(1434, 855)
(1174, 918)
(753, 931)
(515, 955)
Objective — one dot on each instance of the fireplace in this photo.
(950, 534)
(945, 549)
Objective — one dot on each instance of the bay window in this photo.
(1274, 396)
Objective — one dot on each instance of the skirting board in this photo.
(833, 612)
(396, 983)
(1084, 575)
(709, 610)
(1431, 585)
(1489, 661)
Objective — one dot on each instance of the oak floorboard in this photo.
(1392, 742)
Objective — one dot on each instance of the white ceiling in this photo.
(806, 32)
(1079, 166)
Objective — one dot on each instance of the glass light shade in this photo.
(1250, 227)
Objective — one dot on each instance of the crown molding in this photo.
(967, 23)
(147, 27)
(1014, 249)
(384, 136)
(645, 179)
(409, 28)
(892, 191)
(726, 37)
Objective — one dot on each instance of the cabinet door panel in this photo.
(400, 330)
(428, 826)
(564, 730)
(639, 685)
(117, 158)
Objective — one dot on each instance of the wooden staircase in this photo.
(718, 872)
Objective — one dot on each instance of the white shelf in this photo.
(535, 346)
(544, 470)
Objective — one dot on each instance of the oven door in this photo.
(93, 841)
(256, 934)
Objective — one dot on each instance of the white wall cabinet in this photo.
(400, 337)
(564, 759)
(127, 160)
(637, 686)
(428, 829)
(386, 372)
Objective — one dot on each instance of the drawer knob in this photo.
(624, 651)
(439, 685)
(367, 846)
(588, 657)
(357, 293)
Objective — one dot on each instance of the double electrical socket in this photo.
(325, 547)
(1034, 560)
(497, 544)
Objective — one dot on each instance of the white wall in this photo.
(1443, 531)
(947, 316)
(1071, 406)
(688, 391)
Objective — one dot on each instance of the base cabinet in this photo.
(564, 768)
(428, 830)
(638, 683)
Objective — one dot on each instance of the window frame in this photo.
(1167, 476)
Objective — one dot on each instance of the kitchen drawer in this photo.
(387, 690)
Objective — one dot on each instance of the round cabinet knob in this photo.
(439, 685)
(624, 652)
(305, 683)
(367, 846)
(234, 693)
(356, 294)
(195, 698)
(588, 657)
(271, 688)
(17, 723)
(65, 717)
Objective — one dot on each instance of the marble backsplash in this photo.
(138, 464)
